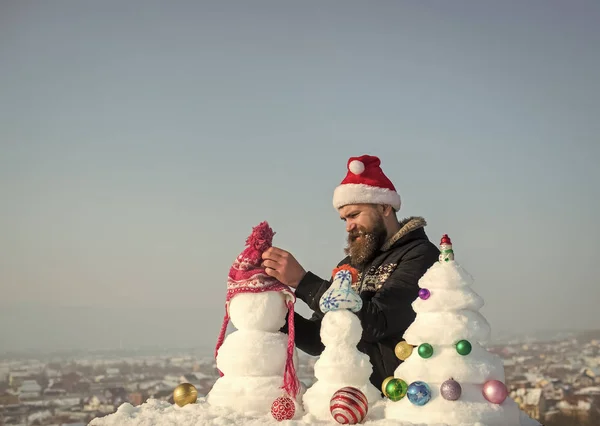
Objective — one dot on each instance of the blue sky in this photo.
(141, 141)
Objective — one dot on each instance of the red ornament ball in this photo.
(283, 408)
(349, 406)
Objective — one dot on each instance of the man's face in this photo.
(366, 232)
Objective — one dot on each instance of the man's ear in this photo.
(386, 209)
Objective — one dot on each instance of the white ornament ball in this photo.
(356, 167)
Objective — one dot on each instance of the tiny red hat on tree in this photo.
(445, 240)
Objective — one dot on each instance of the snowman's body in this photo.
(252, 358)
(340, 364)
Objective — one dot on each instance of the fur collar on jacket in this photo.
(406, 225)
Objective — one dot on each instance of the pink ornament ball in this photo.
(349, 406)
(283, 408)
(424, 293)
(495, 391)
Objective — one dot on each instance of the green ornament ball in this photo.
(425, 350)
(463, 347)
(385, 383)
(396, 389)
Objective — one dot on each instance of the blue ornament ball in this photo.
(418, 393)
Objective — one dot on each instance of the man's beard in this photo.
(363, 251)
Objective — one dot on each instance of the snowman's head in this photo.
(253, 294)
(248, 278)
(264, 311)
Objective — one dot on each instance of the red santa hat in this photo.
(365, 183)
(247, 276)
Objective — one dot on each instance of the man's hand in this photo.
(282, 265)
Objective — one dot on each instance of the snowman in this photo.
(257, 362)
(341, 364)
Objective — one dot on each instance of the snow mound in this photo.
(161, 413)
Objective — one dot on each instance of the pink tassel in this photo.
(290, 381)
(261, 237)
(222, 335)
(259, 240)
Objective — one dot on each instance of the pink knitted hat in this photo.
(247, 276)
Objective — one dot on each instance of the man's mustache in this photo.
(352, 235)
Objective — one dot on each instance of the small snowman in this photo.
(257, 362)
(341, 364)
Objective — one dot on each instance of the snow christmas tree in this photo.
(447, 375)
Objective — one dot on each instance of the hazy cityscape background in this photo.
(141, 141)
(554, 379)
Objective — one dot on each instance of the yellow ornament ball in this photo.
(384, 384)
(403, 350)
(184, 394)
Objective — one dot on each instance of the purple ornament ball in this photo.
(451, 390)
(424, 294)
(495, 391)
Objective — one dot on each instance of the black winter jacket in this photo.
(387, 286)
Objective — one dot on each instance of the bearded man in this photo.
(390, 255)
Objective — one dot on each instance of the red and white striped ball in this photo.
(349, 406)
